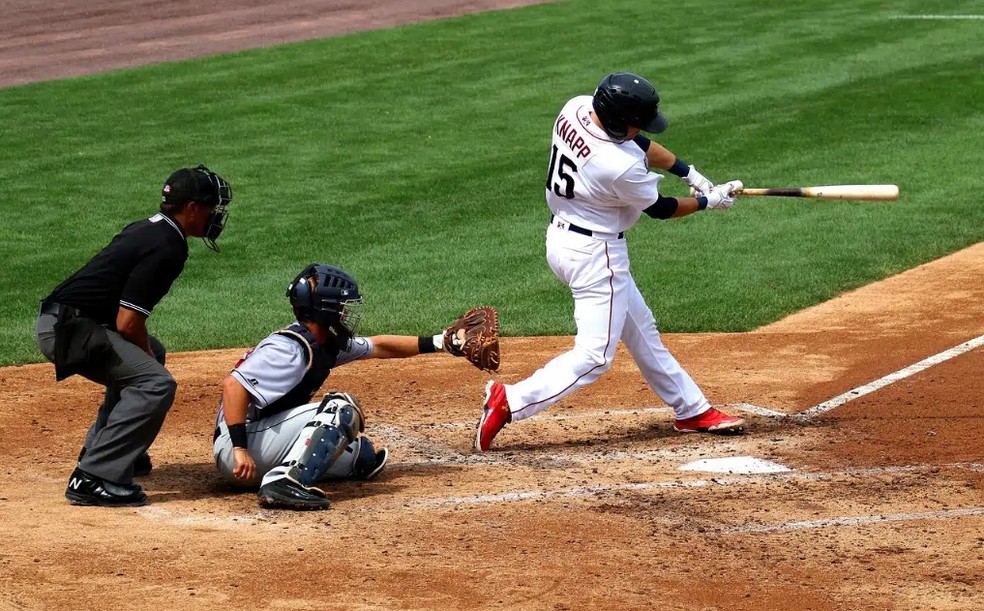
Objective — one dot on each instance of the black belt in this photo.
(582, 230)
(50, 307)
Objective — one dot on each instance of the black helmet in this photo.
(205, 187)
(326, 295)
(625, 100)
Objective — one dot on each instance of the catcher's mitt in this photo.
(475, 336)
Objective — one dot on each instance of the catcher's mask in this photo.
(205, 187)
(330, 297)
(623, 100)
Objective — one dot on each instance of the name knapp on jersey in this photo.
(571, 137)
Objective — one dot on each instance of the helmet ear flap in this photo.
(299, 292)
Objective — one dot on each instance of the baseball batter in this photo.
(267, 431)
(598, 185)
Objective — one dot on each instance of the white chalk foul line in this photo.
(757, 410)
(587, 491)
(861, 391)
(948, 514)
(937, 17)
(546, 459)
(181, 518)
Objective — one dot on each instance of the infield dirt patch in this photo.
(582, 507)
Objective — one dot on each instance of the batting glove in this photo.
(699, 183)
(723, 196)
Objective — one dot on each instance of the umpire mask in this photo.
(220, 193)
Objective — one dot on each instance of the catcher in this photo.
(268, 433)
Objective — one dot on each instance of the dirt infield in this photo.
(880, 505)
(582, 507)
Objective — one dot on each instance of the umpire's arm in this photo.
(132, 326)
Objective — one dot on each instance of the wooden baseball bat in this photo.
(873, 193)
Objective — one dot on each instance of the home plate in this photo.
(735, 464)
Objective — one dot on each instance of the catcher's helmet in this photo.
(328, 296)
(623, 100)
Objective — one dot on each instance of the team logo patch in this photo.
(167, 188)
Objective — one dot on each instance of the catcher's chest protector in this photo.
(320, 359)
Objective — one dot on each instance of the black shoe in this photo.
(86, 489)
(286, 493)
(142, 466)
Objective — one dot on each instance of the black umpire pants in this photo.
(139, 393)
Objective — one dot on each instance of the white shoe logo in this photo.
(75, 484)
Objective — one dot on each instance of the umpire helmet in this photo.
(205, 187)
(623, 100)
(328, 296)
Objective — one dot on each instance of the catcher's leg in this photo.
(290, 485)
(360, 461)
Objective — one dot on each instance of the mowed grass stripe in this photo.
(414, 157)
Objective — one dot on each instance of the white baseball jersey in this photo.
(603, 186)
(593, 181)
(276, 365)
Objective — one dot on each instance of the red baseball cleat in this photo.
(711, 421)
(495, 415)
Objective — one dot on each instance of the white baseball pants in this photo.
(607, 307)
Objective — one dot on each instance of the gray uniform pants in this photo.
(270, 440)
(139, 393)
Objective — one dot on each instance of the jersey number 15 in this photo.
(562, 175)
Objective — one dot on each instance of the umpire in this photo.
(95, 324)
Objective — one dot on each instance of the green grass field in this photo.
(414, 158)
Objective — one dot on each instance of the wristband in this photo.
(237, 433)
(701, 202)
(680, 168)
(425, 344)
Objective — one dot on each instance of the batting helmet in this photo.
(328, 296)
(623, 100)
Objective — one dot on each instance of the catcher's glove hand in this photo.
(475, 336)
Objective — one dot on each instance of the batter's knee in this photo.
(594, 360)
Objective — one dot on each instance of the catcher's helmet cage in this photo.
(329, 296)
(623, 100)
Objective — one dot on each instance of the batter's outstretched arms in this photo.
(719, 197)
(706, 194)
(660, 157)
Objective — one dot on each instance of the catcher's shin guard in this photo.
(336, 424)
(360, 461)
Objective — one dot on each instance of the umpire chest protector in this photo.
(320, 359)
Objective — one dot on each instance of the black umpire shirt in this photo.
(134, 271)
